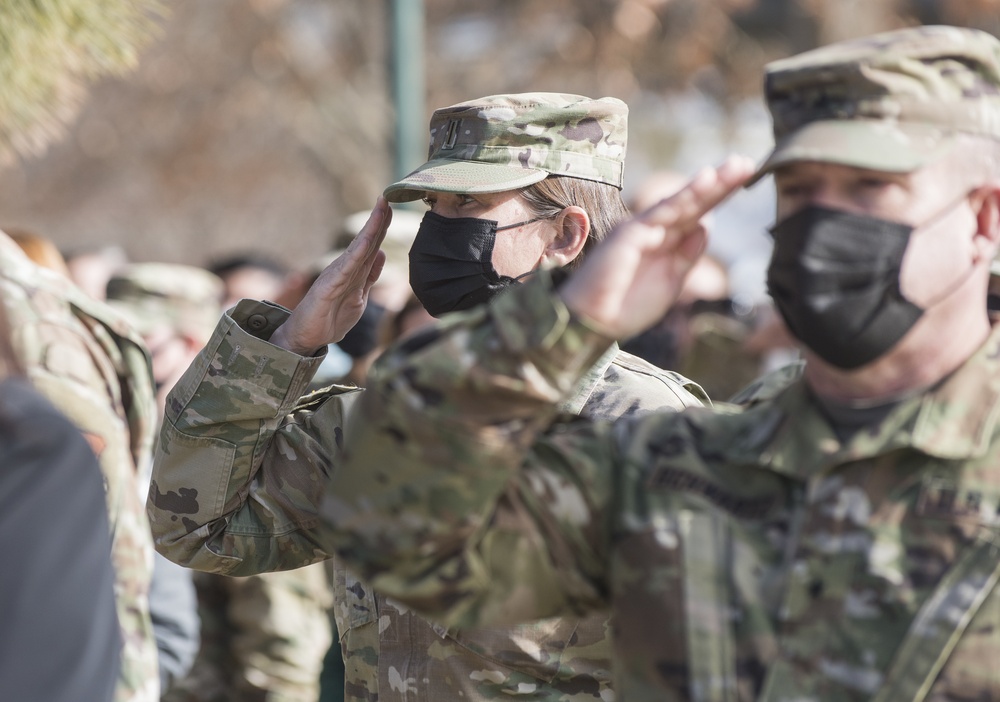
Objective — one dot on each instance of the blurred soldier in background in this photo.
(88, 362)
(250, 275)
(60, 638)
(173, 307)
(92, 268)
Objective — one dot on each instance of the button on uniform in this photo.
(256, 322)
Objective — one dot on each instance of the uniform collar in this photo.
(954, 420)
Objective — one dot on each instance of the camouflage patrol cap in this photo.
(505, 142)
(186, 298)
(889, 102)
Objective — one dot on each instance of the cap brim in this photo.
(454, 176)
(879, 145)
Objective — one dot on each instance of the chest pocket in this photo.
(540, 648)
(353, 600)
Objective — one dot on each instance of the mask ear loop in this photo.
(959, 280)
(520, 224)
(939, 215)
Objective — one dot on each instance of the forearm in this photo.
(241, 463)
(437, 445)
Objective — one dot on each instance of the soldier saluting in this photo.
(515, 184)
(834, 542)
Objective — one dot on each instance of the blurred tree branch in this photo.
(50, 50)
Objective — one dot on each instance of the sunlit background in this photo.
(262, 124)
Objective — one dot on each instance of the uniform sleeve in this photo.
(452, 499)
(242, 459)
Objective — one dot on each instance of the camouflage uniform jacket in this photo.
(744, 555)
(237, 484)
(88, 363)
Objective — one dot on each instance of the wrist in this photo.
(283, 339)
(576, 301)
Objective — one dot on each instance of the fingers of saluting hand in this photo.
(634, 276)
(706, 190)
(361, 264)
(370, 238)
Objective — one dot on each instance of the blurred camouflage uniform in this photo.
(715, 355)
(264, 637)
(750, 555)
(236, 416)
(86, 360)
(185, 299)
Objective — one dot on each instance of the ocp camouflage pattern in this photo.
(241, 468)
(744, 555)
(943, 76)
(262, 637)
(553, 133)
(893, 101)
(391, 653)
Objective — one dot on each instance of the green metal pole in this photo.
(407, 71)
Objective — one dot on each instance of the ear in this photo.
(192, 344)
(986, 200)
(572, 227)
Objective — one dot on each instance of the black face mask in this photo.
(451, 263)
(834, 277)
(363, 336)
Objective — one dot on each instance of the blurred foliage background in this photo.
(261, 124)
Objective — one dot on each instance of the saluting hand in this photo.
(336, 300)
(634, 276)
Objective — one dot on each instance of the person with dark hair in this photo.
(60, 638)
(516, 185)
(250, 275)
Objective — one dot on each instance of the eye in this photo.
(464, 200)
(873, 183)
(428, 200)
(792, 189)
